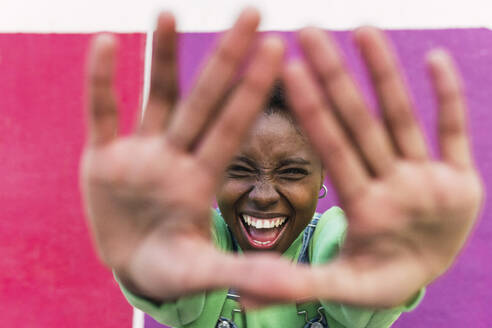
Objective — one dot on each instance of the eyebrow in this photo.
(245, 159)
(294, 160)
(284, 162)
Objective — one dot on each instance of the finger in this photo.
(342, 163)
(371, 139)
(240, 111)
(453, 135)
(385, 283)
(392, 93)
(268, 279)
(163, 81)
(103, 114)
(198, 266)
(214, 81)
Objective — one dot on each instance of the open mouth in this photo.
(263, 232)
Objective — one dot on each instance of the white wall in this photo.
(210, 15)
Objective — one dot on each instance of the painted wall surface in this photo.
(49, 274)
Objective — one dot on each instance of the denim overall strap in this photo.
(306, 238)
(319, 321)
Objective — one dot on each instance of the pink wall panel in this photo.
(49, 274)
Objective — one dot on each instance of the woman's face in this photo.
(270, 189)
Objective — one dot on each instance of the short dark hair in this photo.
(277, 103)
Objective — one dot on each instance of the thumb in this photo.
(381, 284)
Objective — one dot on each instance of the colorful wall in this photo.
(49, 274)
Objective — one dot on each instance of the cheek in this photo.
(228, 195)
(303, 197)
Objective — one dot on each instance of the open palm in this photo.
(148, 195)
(408, 213)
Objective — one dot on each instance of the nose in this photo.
(264, 195)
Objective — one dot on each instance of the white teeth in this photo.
(263, 223)
(261, 242)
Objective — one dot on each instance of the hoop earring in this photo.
(325, 192)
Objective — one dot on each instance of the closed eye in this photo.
(239, 171)
(293, 173)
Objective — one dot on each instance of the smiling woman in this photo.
(407, 214)
(270, 190)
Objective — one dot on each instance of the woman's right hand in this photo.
(148, 195)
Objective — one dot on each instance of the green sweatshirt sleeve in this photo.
(327, 241)
(175, 314)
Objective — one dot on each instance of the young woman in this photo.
(148, 195)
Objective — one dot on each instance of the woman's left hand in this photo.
(409, 214)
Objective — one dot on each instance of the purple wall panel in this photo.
(460, 298)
